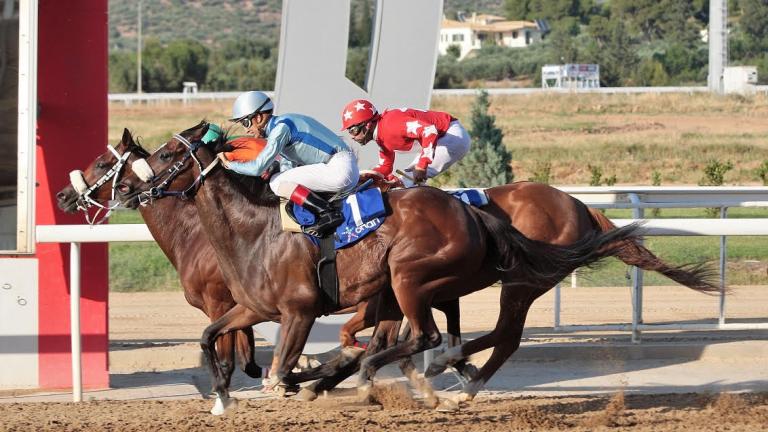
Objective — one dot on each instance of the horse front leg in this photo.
(384, 335)
(424, 335)
(236, 318)
(294, 330)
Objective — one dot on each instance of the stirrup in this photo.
(325, 228)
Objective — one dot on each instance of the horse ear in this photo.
(127, 137)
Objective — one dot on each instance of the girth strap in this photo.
(327, 276)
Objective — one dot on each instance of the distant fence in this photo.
(130, 98)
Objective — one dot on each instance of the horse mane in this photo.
(136, 147)
(252, 188)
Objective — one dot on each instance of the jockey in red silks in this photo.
(312, 158)
(443, 140)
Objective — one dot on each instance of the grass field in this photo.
(629, 136)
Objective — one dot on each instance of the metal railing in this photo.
(129, 98)
(640, 198)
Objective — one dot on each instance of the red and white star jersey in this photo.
(399, 129)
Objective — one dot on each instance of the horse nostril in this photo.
(61, 196)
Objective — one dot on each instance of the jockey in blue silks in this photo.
(312, 158)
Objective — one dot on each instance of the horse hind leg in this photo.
(507, 335)
(245, 347)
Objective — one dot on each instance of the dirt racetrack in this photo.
(164, 318)
(685, 412)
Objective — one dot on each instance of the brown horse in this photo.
(542, 213)
(201, 278)
(183, 242)
(430, 248)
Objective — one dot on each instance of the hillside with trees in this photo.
(225, 45)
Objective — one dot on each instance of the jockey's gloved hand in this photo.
(223, 159)
(419, 175)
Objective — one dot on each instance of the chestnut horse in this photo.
(542, 213)
(430, 248)
(183, 242)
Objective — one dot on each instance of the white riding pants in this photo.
(449, 149)
(340, 173)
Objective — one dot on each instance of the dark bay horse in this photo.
(183, 242)
(200, 276)
(431, 248)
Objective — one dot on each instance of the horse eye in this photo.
(165, 156)
(102, 165)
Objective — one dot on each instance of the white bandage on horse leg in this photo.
(143, 170)
(78, 181)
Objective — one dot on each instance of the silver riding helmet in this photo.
(249, 103)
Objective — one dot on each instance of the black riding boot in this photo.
(326, 217)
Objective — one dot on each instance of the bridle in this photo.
(161, 190)
(84, 199)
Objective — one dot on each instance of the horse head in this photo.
(94, 186)
(179, 167)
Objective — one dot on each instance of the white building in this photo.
(570, 76)
(472, 33)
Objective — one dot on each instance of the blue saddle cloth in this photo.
(472, 196)
(363, 213)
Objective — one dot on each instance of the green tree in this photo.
(754, 26)
(517, 9)
(165, 68)
(122, 72)
(651, 73)
(488, 161)
(613, 49)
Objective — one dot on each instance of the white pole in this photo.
(74, 317)
(637, 281)
(718, 44)
(723, 253)
(557, 307)
(138, 52)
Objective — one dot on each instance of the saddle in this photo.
(293, 217)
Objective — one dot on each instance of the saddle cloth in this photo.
(473, 196)
(363, 213)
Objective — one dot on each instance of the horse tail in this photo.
(544, 263)
(697, 276)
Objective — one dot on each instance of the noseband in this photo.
(84, 198)
(161, 190)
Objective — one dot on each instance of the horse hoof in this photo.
(221, 407)
(306, 395)
(464, 397)
(434, 370)
(432, 402)
(470, 372)
(253, 370)
(364, 394)
(447, 405)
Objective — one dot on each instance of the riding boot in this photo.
(326, 217)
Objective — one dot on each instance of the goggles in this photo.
(356, 129)
(247, 121)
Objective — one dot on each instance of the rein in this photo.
(161, 190)
(85, 201)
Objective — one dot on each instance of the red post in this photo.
(72, 129)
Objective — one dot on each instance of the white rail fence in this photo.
(635, 198)
(130, 98)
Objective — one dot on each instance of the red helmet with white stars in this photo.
(356, 112)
